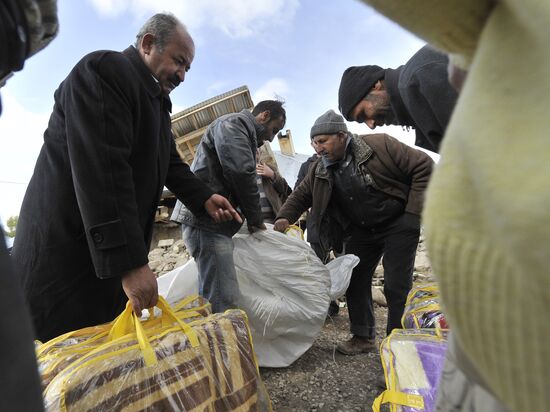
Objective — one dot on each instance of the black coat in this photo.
(88, 212)
(20, 388)
(422, 97)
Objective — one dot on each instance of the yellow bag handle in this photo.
(128, 322)
(400, 398)
(297, 228)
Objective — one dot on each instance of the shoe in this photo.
(333, 309)
(356, 345)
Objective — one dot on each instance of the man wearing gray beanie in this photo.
(366, 195)
(416, 95)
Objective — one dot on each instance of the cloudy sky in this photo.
(292, 49)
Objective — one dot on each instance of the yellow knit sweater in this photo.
(487, 213)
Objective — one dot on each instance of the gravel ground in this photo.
(322, 379)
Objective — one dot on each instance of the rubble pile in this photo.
(168, 255)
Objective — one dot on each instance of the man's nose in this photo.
(181, 75)
(370, 123)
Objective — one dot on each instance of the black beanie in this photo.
(356, 83)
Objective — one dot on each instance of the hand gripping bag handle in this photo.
(128, 322)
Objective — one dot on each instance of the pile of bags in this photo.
(185, 359)
(284, 289)
(413, 357)
(423, 308)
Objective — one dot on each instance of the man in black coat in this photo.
(87, 217)
(417, 94)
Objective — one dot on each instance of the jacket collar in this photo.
(391, 81)
(146, 77)
(361, 152)
(258, 128)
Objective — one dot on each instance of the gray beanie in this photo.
(328, 123)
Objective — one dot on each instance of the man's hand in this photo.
(219, 208)
(140, 285)
(265, 170)
(253, 229)
(281, 225)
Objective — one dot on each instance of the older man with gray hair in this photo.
(86, 220)
(365, 192)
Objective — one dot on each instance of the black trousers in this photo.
(396, 242)
(20, 388)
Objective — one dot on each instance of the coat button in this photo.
(97, 237)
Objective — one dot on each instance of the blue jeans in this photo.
(213, 254)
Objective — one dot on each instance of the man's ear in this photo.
(147, 43)
(265, 116)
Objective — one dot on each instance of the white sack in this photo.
(285, 292)
(179, 283)
(340, 274)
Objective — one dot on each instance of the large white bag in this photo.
(340, 274)
(285, 292)
(178, 283)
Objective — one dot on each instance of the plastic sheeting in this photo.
(423, 308)
(413, 362)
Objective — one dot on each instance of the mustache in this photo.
(175, 80)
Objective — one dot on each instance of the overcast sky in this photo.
(293, 49)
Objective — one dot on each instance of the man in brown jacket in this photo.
(365, 192)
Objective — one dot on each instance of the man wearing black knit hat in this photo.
(369, 191)
(416, 94)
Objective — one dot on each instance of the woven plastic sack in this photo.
(413, 362)
(179, 283)
(340, 270)
(285, 292)
(207, 364)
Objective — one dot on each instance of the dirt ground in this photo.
(322, 379)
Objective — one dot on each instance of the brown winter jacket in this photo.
(387, 164)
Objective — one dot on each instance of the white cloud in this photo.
(21, 137)
(110, 8)
(275, 88)
(235, 18)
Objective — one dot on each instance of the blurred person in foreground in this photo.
(368, 190)
(487, 218)
(87, 216)
(26, 27)
(226, 161)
